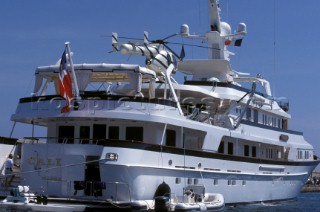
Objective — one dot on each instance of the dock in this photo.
(313, 183)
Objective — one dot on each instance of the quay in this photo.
(313, 183)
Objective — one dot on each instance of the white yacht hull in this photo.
(248, 179)
(137, 173)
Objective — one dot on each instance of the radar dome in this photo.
(184, 30)
(242, 27)
(225, 28)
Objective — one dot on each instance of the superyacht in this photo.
(145, 140)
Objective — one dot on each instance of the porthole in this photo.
(178, 180)
(215, 182)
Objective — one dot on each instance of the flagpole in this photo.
(72, 71)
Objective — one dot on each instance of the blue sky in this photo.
(281, 44)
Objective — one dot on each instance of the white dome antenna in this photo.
(184, 30)
(242, 28)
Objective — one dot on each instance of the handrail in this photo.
(193, 152)
(96, 141)
(103, 96)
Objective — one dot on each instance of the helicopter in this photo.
(158, 54)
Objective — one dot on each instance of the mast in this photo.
(217, 37)
(214, 11)
(220, 35)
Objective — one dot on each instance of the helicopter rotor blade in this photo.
(129, 38)
(162, 41)
(192, 45)
(173, 52)
(170, 36)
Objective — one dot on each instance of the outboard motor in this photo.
(42, 199)
(162, 198)
(161, 204)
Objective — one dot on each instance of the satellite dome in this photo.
(225, 28)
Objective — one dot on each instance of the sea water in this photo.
(304, 202)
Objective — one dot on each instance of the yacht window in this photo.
(274, 121)
(284, 124)
(246, 150)
(170, 137)
(269, 153)
(195, 181)
(178, 180)
(193, 139)
(113, 132)
(134, 133)
(66, 134)
(221, 147)
(256, 116)
(230, 148)
(229, 182)
(215, 182)
(264, 119)
(99, 132)
(84, 134)
(269, 121)
(254, 151)
(306, 156)
(248, 113)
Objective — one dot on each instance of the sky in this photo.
(282, 44)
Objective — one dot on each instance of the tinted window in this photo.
(99, 132)
(66, 134)
(230, 148)
(170, 138)
(246, 150)
(254, 151)
(113, 133)
(84, 134)
(134, 133)
(221, 147)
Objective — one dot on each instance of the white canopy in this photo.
(102, 72)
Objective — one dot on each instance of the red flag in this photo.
(65, 83)
(227, 42)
